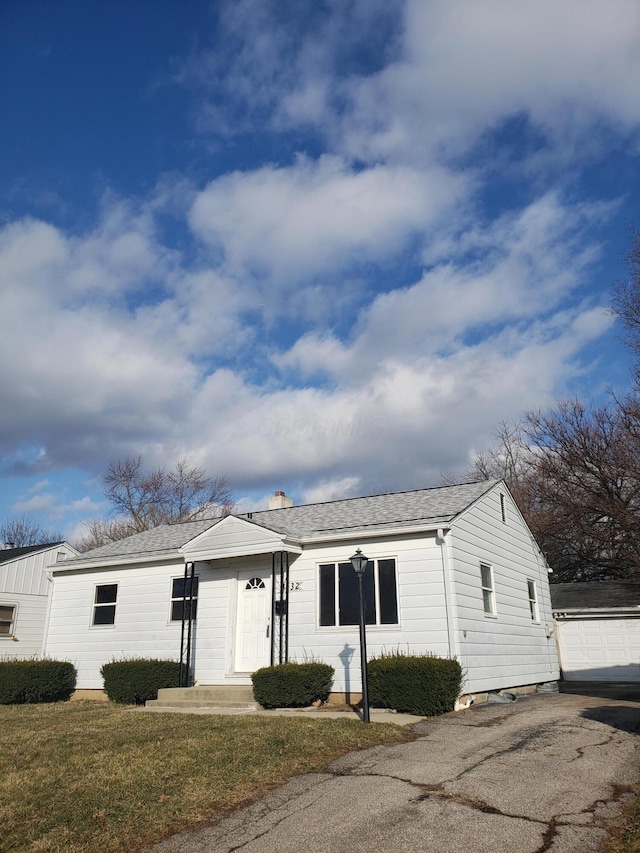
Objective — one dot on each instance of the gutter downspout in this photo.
(47, 618)
(449, 595)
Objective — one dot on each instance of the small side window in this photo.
(488, 592)
(104, 604)
(180, 595)
(7, 620)
(533, 601)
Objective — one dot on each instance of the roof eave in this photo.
(109, 562)
(595, 611)
(377, 533)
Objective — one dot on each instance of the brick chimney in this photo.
(279, 501)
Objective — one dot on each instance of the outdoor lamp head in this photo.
(359, 562)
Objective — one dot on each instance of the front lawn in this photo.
(82, 777)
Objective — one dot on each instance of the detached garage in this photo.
(598, 631)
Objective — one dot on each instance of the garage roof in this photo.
(606, 595)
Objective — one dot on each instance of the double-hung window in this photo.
(339, 598)
(104, 604)
(488, 591)
(183, 591)
(532, 592)
(7, 619)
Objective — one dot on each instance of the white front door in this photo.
(253, 637)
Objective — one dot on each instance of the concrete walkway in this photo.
(545, 773)
(377, 716)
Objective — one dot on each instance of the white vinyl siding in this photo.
(422, 611)
(25, 585)
(509, 649)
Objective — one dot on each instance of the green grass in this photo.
(625, 830)
(80, 777)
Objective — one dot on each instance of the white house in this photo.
(25, 587)
(598, 630)
(453, 571)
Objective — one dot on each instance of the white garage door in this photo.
(599, 649)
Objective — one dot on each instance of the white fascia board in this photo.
(377, 533)
(595, 612)
(110, 562)
(190, 554)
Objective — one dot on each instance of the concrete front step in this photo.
(215, 696)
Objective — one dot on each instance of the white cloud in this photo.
(35, 503)
(465, 67)
(358, 318)
(331, 490)
(315, 218)
(439, 75)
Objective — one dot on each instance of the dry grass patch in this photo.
(81, 777)
(625, 829)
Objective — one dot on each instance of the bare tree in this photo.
(587, 514)
(22, 530)
(626, 301)
(143, 499)
(510, 458)
(575, 469)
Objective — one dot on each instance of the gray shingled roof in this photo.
(167, 538)
(595, 596)
(424, 506)
(7, 554)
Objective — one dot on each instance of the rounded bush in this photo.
(31, 681)
(292, 685)
(424, 685)
(133, 682)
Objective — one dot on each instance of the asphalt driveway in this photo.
(544, 773)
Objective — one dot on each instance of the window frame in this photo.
(488, 590)
(102, 606)
(9, 635)
(336, 625)
(534, 604)
(179, 599)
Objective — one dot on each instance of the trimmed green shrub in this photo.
(424, 685)
(132, 682)
(26, 681)
(292, 685)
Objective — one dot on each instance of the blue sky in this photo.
(323, 247)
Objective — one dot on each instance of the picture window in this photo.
(339, 597)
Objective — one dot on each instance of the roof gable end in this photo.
(233, 536)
